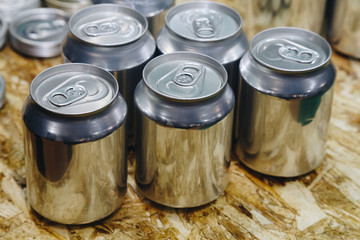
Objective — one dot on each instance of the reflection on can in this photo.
(184, 126)
(75, 150)
(285, 104)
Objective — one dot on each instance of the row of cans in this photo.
(185, 109)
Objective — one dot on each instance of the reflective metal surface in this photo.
(39, 32)
(123, 58)
(284, 113)
(344, 28)
(153, 10)
(76, 165)
(3, 32)
(11, 8)
(69, 6)
(183, 143)
(2, 91)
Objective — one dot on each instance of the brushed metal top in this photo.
(108, 25)
(185, 76)
(203, 21)
(290, 49)
(74, 89)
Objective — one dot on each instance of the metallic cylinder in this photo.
(3, 32)
(74, 137)
(184, 126)
(209, 28)
(285, 104)
(114, 37)
(344, 26)
(39, 32)
(153, 10)
(69, 6)
(2, 91)
(9, 9)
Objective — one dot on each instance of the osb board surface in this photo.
(324, 204)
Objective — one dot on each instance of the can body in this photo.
(124, 57)
(154, 11)
(226, 42)
(182, 145)
(285, 102)
(3, 32)
(76, 165)
(344, 30)
(10, 9)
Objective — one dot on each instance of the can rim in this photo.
(24, 4)
(3, 30)
(255, 40)
(68, 67)
(194, 56)
(118, 8)
(2, 90)
(203, 4)
(30, 47)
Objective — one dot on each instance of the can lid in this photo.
(3, 30)
(2, 91)
(290, 49)
(74, 89)
(203, 21)
(10, 8)
(108, 24)
(39, 32)
(185, 76)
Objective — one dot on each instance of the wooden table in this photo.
(324, 204)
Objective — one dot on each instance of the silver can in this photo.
(74, 138)
(114, 37)
(2, 91)
(3, 32)
(39, 32)
(209, 28)
(153, 10)
(11, 8)
(344, 28)
(69, 6)
(184, 126)
(286, 93)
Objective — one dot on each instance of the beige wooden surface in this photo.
(324, 204)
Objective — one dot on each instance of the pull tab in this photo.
(188, 74)
(100, 29)
(298, 53)
(204, 27)
(67, 95)
(44, 30)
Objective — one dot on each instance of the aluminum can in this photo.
(153, 10)
(69, 6)
(11, 8)
(184, 126)
(114, 37)
(2, 91)
(286, 94)
(344, 28)
(74, 138)
(3, 32)
(209, 28)
(39, 32)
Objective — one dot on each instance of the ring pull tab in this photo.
(46, 29)
(298, 54)
(204, 27)
(100, 29)
(188, 74)
(67, 95)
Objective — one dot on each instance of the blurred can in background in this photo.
(69, 6)
(39, 32)
(3, 32)
(285, 104)
(209, 28)
(11, 8)
(344, 26)
(114, 37)
(184, 126)
(74, 140)
(153, 10)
